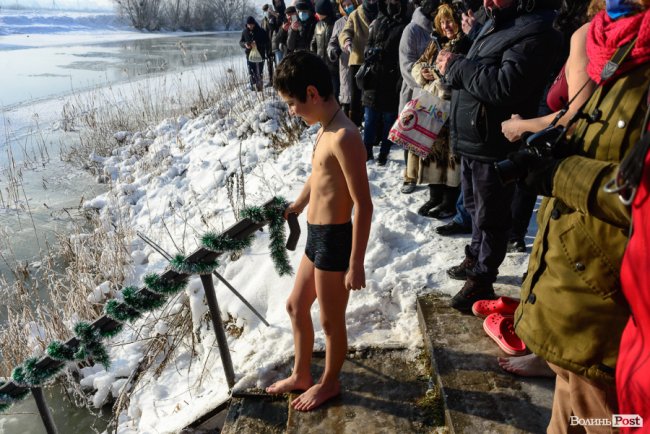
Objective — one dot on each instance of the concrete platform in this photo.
(479, 396)
(382, 393)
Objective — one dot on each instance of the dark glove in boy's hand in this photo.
(541, 171)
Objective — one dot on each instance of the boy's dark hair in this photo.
(299, 70)
(265, 7)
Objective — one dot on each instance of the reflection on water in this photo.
(23, 418)
(38, 73)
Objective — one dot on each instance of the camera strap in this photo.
(608, 72)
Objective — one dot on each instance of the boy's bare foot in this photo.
(290, 384)
(530, 365)
(316, 395)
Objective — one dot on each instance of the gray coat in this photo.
(411, 46)
(334, 52)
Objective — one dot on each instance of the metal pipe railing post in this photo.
(43, 410)
(215, 314)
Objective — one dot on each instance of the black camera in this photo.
(547, 143)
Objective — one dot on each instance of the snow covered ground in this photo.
(171, 179)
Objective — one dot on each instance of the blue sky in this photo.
(61, 4)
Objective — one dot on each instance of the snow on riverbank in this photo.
(172, 180)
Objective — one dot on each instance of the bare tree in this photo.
(231, 14)
(185, 14)
(143, 14)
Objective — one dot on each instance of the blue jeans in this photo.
(371, 117)
(462, 217)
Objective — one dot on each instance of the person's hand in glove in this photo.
(541, 170)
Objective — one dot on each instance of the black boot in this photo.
(460, 271)
(435, 198)
(475, 289)
(447, 207)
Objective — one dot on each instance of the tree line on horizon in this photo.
(186, 15)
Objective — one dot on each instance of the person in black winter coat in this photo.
(503, 73)
(381, 98)
(270, 24)
(301, 32)
(280, 8)
(254, 36)
(322, 35)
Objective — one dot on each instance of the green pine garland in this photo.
(59, 351)
(140, 301)
(7, 401)
(224, 243)
(29, 375)
(120, 311)
(163, 286)
(91, 344)
(274, 214)
(180, 264)
(253, 213)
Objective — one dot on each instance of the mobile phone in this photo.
(294, 18)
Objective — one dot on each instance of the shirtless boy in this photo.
(333, 260)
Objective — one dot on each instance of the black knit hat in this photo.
(251, 20)
(303, 5)
(429, 7)
(324, 7)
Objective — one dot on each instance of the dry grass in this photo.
(43, 304)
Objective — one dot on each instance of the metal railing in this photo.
(105, 324)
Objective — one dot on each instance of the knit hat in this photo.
(250, 20)
(324, 7)
(303, 5)
(429, 7)
(290, 10)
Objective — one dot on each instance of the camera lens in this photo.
(508, 171)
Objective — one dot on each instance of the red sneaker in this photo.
(506, 306)
(501, 329)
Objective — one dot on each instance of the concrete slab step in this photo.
(479, 396)
(382, 392)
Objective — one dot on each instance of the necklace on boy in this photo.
(313, 152)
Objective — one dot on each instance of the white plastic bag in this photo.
(255, 56)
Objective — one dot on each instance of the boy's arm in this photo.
(301, 201)
(351, 155)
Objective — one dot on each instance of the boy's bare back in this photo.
(332, 186)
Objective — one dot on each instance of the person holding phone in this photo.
(301, 31)
(441, 169)
(280, 38)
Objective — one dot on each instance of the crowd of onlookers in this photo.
(546, 98)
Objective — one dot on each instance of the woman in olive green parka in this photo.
(572, 310)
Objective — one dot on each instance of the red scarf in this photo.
(607, 35)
